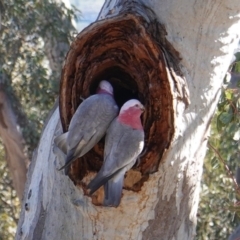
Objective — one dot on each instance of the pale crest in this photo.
(129, 104)
(105, 85)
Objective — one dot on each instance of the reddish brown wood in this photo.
(122, 51)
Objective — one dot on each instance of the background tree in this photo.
(204, 35)
(219, 191)
(34, 39)
(214, 195)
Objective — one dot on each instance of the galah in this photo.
(89, 124)
(123, 144)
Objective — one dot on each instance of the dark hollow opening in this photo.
(125, 55)
(125, 88)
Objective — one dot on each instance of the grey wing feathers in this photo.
(87, 126)
(119, 155)
(81, 149)
(61, 142)
(94, 111)
(122, 146)
(99, 180)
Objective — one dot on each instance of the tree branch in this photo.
(226, 167)
(13, 142)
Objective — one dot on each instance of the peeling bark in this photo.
(182, 48)
(13, 144)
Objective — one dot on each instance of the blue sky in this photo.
(89, 9)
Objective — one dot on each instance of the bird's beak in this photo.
(142, 108)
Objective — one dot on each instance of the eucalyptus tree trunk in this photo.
(172, 55)
(13, 142)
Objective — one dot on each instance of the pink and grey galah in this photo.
(123, 144)
(89, 124)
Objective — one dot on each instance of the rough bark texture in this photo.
(204, 34)
(122, 51)
(13, 144)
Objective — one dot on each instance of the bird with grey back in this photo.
(89, 124)
(123, 144)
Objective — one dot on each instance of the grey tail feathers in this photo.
(113, 191)
(96, 183)
(99, 180)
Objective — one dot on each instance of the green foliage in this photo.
(218, 215)
(27, 26)
(29, 29)
(237, 56)
(237, 67)
(9, 203)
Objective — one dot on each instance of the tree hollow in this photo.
(122, 51)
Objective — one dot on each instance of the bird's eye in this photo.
(136, 105)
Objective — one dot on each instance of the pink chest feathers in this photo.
(131, 117)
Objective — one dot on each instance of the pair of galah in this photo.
(95, 117)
